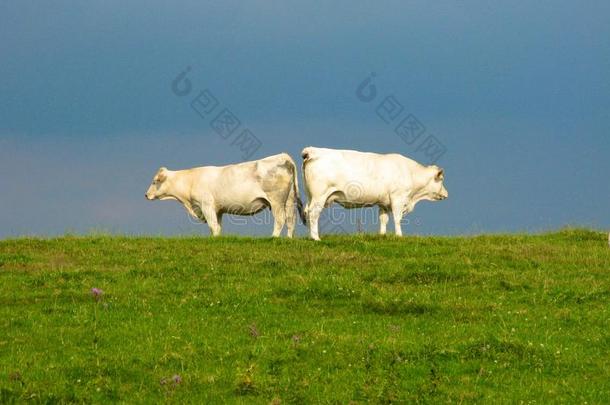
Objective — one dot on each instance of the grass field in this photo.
(353, 318)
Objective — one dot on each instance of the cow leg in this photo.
(314, 209)
(397, 214)
(290, 209)
(383, 220)
(212, 218)
(219, 221)
(279, 218)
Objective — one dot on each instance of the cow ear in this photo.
(440, 175)
(161, 174)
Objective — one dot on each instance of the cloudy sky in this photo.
(515, 94)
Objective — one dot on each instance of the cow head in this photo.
(434, 189)
(159, 185)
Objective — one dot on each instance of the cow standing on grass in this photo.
(359, 179)
(241, 189)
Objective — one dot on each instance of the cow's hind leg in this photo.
(290, 209)
(278, 210)
(314, 209)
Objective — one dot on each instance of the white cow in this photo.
(359, 179)
(241, 189)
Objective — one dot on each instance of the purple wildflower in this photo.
(97, 293)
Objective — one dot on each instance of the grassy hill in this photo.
(353, 318)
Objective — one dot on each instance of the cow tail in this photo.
(297, 195)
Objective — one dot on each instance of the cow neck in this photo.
(418, 194)
(182, 190)
(183, 194)
(419, 185)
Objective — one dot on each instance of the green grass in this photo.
(353, 318)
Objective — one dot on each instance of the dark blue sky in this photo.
(518, 93)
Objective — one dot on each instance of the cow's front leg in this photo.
(212, 219)
(383, 220)
(219, 222)
(397, 215)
